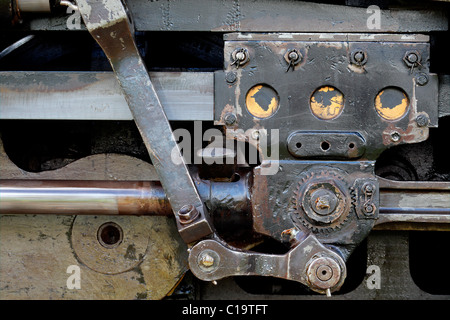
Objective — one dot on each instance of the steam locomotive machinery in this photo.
(312, 156)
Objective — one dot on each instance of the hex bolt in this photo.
(412, 58)
(422, 120)
(368, 208)
(206, 260)
(395, 136)
(358, 57)
(422, 79)
(229, 118)
(230, 77)
(255, 135)
(187, 214)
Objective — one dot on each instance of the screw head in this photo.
(230, 118)
(395, 136)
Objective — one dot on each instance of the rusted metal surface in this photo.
(336, 95)
(97, 95)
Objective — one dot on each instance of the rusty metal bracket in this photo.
(309, 263)
(110, 24)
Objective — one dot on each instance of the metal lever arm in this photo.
(109, 23)
(309, 263)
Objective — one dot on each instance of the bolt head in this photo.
(206, 260)
(293, 55)
(422, 79)
(422, 120)
(412, 57)
(240, 55)
(323, 202)
(187, 214)
(395, 137)
(359, 56)
(324, 273)
(230, 77)
(230, 119)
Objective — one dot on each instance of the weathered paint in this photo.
(262, 101)
(327, 103)
(391, 104)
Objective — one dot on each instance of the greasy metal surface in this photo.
(292, 265)
(108, 23)
(326, 64)
(98, 96)
(263, 16)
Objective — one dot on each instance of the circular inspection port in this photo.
(110, 235)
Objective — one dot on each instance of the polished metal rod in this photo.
(83, 197)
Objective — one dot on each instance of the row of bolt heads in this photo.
(412, 59)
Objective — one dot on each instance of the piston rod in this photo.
(70, 197)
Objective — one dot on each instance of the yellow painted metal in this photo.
(391, 104)
(262, 101)
(327, 103)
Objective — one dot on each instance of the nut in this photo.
(187, 214)
(324, 273)
(412, 58)
(358, 57)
